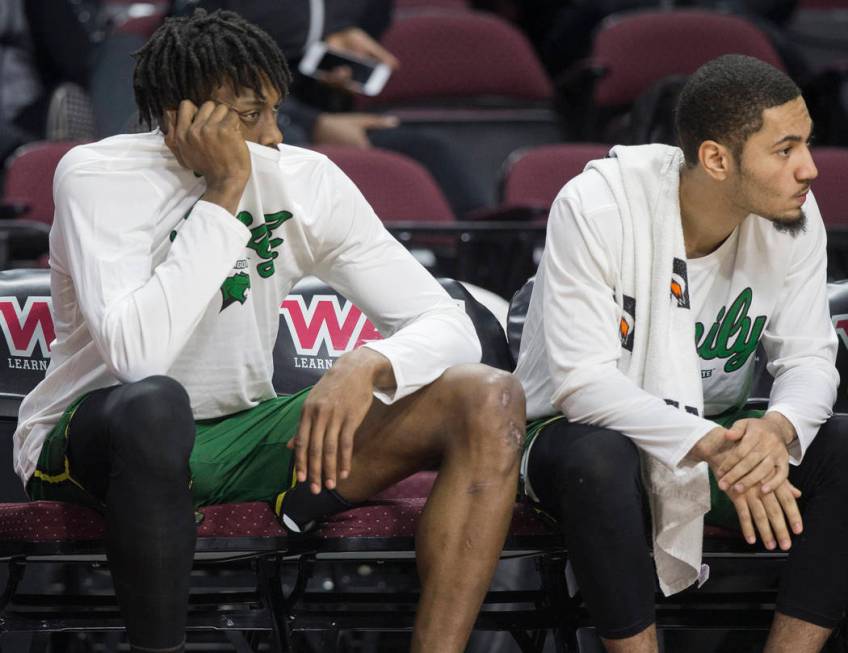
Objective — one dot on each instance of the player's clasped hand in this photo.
(209, 141)
(769, 514)
(760, 456)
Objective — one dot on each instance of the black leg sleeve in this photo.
(129, 445)
(589, 478)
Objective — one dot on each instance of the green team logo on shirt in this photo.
(236, 287)
(261, 240)
(733, 335)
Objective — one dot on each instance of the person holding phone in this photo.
(171, 252)
(351, 28)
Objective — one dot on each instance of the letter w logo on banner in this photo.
(840, 323)
(25, 328)
(325, 322)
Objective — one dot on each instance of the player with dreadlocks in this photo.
(171, 252)
(238, 52)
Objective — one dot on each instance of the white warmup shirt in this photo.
(760, 284)
(146, 279)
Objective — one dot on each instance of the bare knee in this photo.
(487, 406)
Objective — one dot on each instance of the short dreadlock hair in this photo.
(724, 100)
(187, 58)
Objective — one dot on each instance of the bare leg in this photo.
(791, 635)
(470, 422)
(644, 642)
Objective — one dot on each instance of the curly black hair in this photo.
(724, 101)
(187, 58)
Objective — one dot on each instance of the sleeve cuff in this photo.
(680, 462)
(805, 436)
(400, 390)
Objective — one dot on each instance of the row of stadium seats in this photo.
(407, 198)
(474, 77)
(399, 189)
(316, 326)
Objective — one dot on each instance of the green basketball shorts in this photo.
(240, 457)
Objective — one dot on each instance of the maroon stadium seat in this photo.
(460, 55)
(28, 193)
(632, 51)
(535, 176)
(29, 178)
(830, 188)
(832, 197)
(397, 187)
(473, 79)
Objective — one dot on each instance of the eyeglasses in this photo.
(250, 117)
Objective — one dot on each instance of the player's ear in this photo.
(715, 159)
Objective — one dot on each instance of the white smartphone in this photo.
(368, 76)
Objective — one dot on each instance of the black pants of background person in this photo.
(589, 479)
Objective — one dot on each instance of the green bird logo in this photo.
(234, 289)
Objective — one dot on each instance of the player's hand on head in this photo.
(208, 140)
(760, 455)
(775, 515)
(333, 411)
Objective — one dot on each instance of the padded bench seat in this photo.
(392, 514)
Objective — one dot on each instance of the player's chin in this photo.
(791, 221)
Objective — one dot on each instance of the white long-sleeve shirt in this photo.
(146, 279)
(760, 284)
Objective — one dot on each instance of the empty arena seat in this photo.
(474, 80)
(672, 42)
(829, 188)
(832, 197)
(533, 177)
(29, 178)
(462, 55)
(28, 195)
(397, 187)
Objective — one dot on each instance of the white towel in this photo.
(658, 341)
